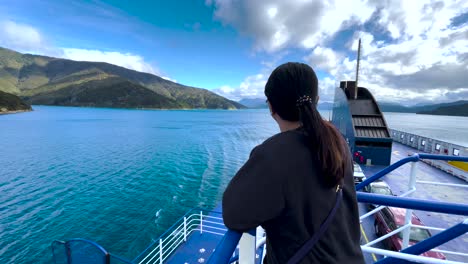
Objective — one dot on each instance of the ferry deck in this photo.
(194, 238)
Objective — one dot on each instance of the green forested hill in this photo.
(110, 92)
(52, 81)
(10, 103)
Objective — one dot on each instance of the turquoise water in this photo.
(122, 177)
(104, 174)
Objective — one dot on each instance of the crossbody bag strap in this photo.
(305, 249)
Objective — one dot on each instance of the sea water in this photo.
(122, 177)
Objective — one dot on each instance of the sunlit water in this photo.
(121, 177)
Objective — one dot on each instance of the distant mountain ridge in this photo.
(254, 103)
(52, 81)
(257, 103)
(452, 110)
(391, 107)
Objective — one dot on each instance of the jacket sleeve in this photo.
(254, 195)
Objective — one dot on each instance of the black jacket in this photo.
(280, 188)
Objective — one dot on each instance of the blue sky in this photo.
(230, 47)
(183, 43)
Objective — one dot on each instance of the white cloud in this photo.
(169, 79)
(272, 11)
(251, 87)
(23, 37)
(26, 38)
(126, 60)
(327, 89)
(324, 58)
(278, 24)
(424, 59)
(20, 34)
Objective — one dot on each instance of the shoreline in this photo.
(15, 112)
(144, 108)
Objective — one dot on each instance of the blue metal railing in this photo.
(178, 222)
(414, 158)
(225, 249)
(412, 203)
(86, 251)
(431, 243)
(80, 250)
(165, 245)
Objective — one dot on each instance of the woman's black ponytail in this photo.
(292, 91)
(326, 141)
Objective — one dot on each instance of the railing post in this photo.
(107, 257)
(201, 222)
(67, 246)
(432, 242)
(185, 229)
(225, 248)
(160, 252)
(247, 247)
(409, 212)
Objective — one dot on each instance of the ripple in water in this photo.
(118, 177)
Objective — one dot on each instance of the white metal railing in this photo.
(405, 256)
(162, 248)
(444, 184)
(406, 228)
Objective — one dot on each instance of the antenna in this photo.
(357, 68)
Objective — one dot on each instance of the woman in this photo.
(291, 182)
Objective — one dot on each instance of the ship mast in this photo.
(357, 68)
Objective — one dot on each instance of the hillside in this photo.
(325, 106)
(396, 108)
(12, 103)
(254, 103)
(391, 107)
(41, 79)
(452, 110)
(110, 92)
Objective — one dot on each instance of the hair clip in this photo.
(303, 99)
(338, 187)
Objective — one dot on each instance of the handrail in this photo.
(105, 253)
(176, 223)
(187, 224)
(226, 247)
(414, 158)
(160, 249)
(385, 171)
(89, 242)
(412, 203)
(174, 239)
(432, 242)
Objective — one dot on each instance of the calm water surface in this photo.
(103, 174)
(453, 129)
(121, 177)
